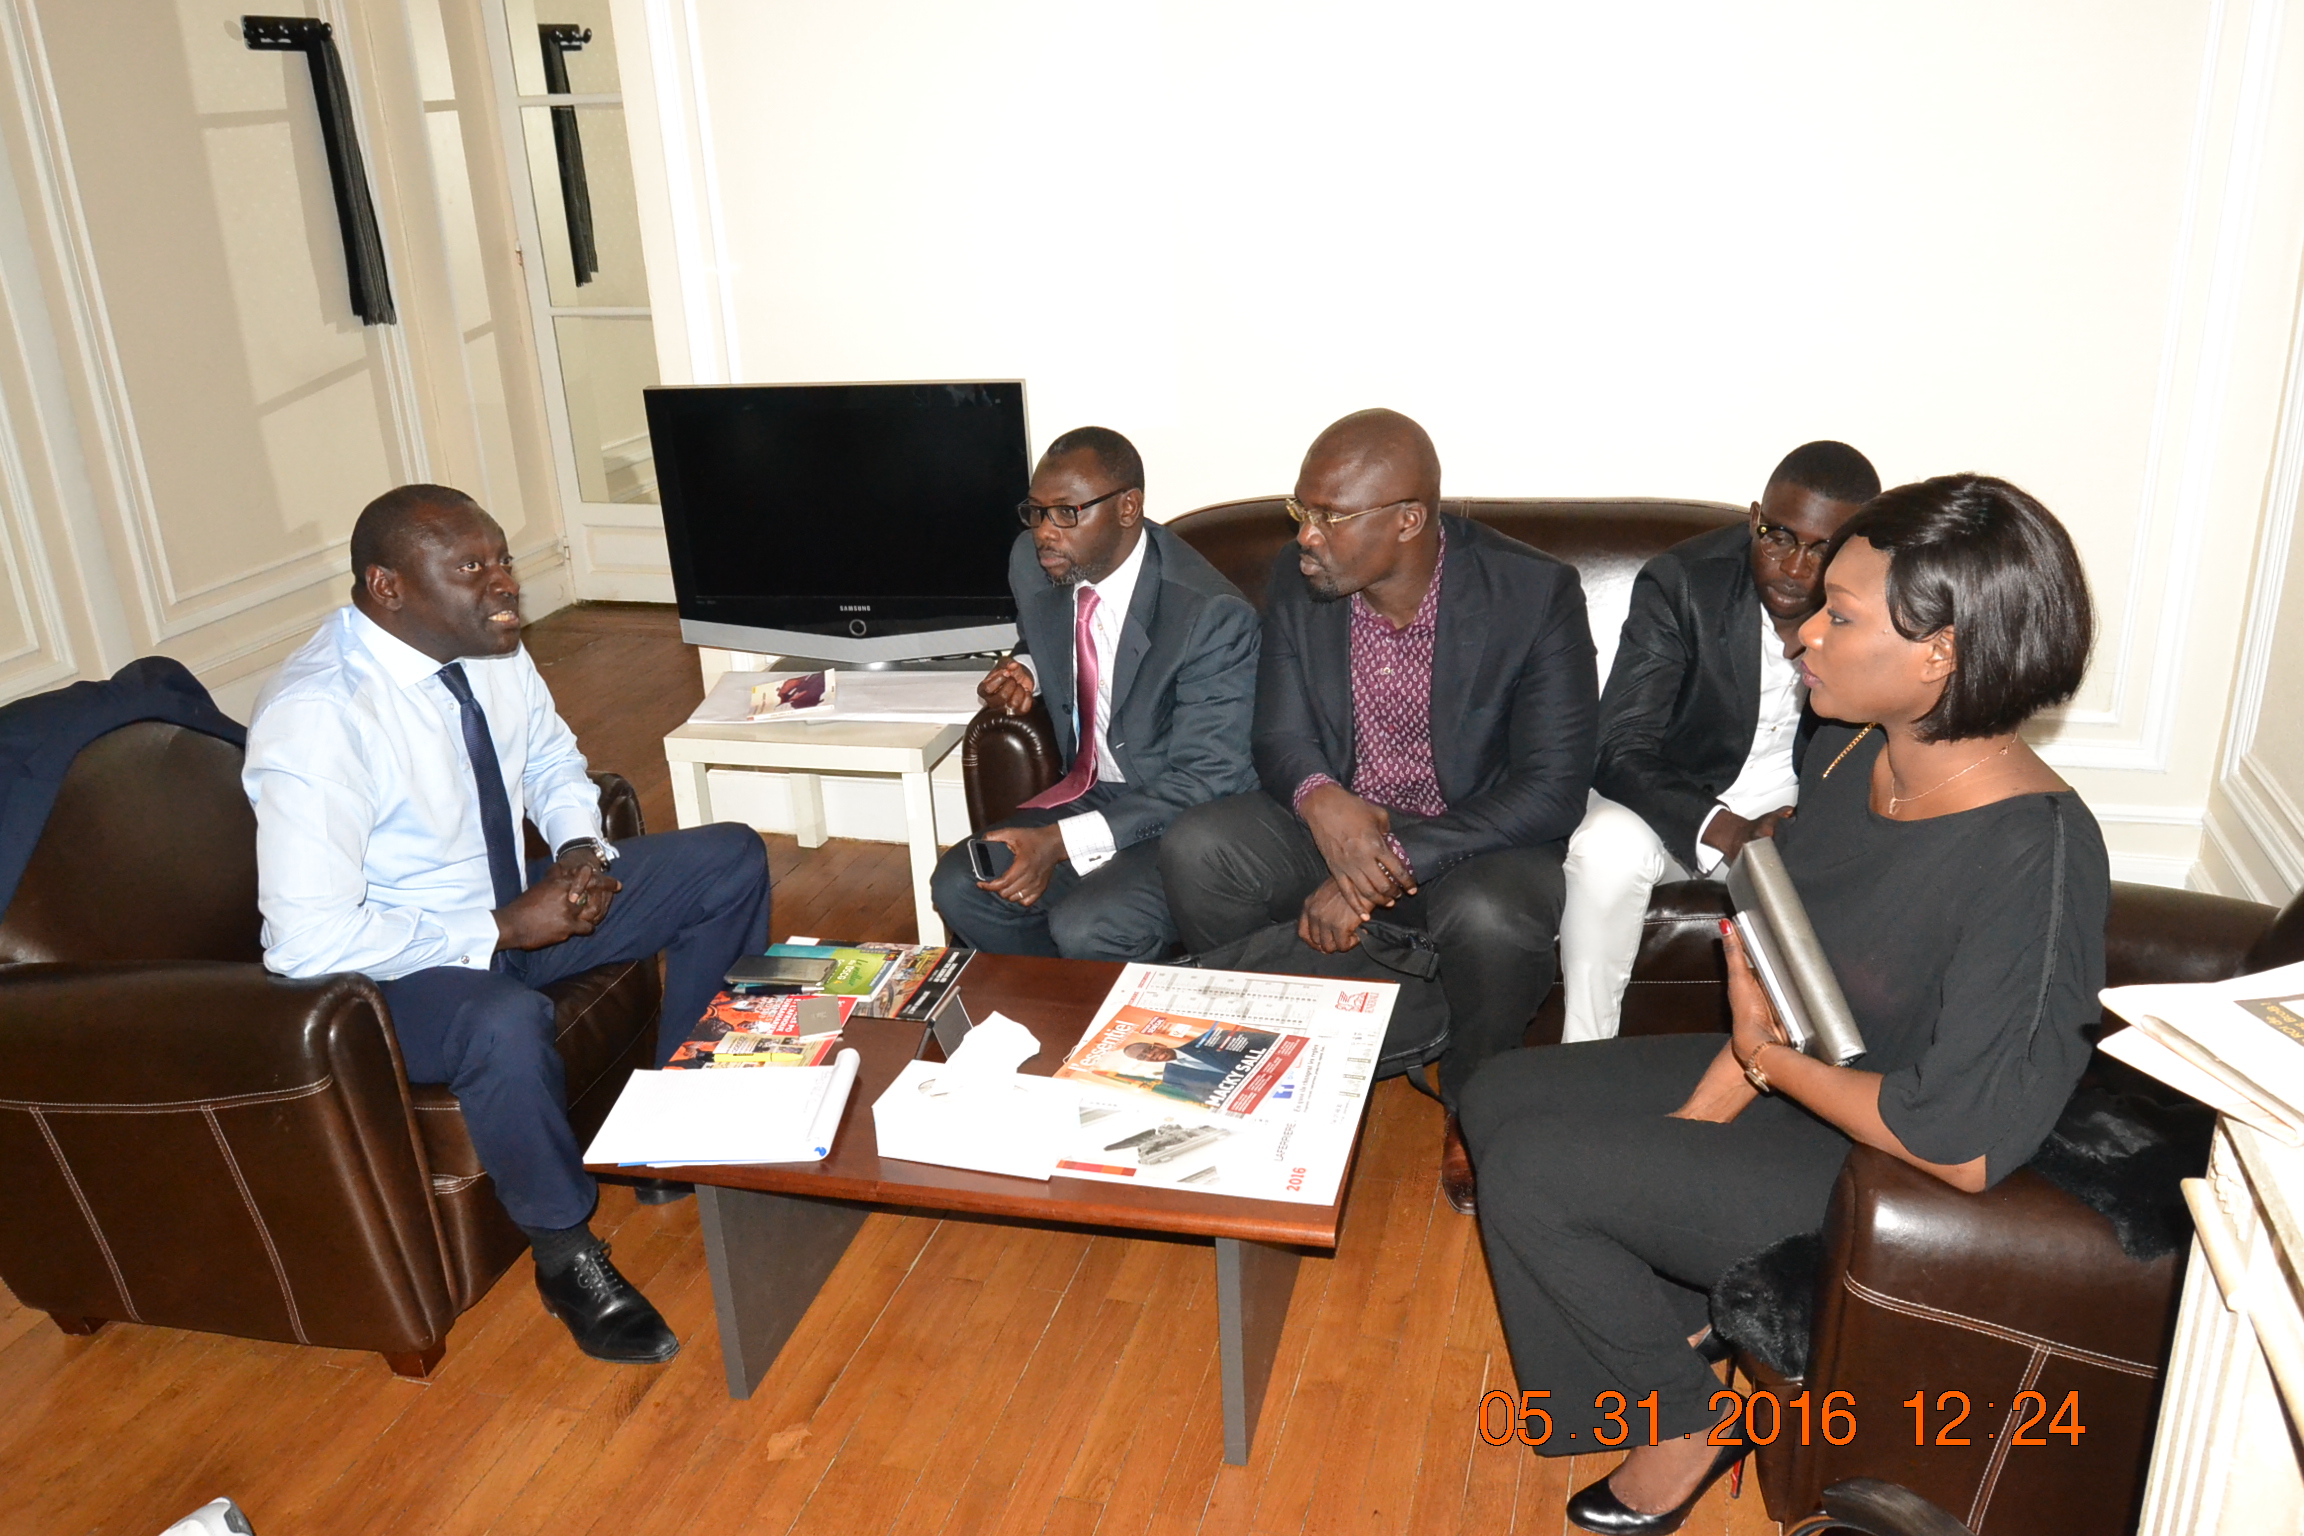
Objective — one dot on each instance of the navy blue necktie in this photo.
(488, 776)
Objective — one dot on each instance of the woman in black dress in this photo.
(1960, 889)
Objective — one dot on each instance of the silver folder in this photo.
(1790, 962)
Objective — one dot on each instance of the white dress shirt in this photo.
(1088, 836)
(369, 852)
(1768, 781)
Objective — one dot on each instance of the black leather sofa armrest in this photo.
(1007, 759)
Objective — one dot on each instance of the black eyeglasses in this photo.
(1063, 514)
(1783, 543)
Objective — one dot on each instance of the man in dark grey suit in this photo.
(1424, 730)
(1147, 658)
(1702, 722)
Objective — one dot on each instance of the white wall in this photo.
(1615, 250)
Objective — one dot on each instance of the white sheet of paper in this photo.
(761, 1115)
(2140, 1050)
(1015, 1125)
(976, 1110)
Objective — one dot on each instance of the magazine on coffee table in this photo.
(1787, 957)
(1227, 1082)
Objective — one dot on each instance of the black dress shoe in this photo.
(662, 1191)
(1456, 1171)
(1596, 1507)
(605, 1313)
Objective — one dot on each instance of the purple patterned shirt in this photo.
(1392, 708)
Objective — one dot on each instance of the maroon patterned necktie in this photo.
(1083, 775)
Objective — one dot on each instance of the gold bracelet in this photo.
(1752, 1073)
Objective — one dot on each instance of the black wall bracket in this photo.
(560, 39)
(371, 285)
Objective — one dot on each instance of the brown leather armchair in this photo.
(2021, 1288)
(195, 1142)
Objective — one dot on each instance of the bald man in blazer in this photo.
(1424, 740)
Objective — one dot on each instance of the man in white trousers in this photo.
(1702, 721)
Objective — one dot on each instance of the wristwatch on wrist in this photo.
(600, 848)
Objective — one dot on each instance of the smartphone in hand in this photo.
(989, 859)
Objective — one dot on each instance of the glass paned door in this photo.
(589, 286)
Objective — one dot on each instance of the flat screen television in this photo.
(842, 522)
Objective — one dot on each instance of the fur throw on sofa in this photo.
(2122, 1155)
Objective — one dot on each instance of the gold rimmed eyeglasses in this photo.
(1323, 519)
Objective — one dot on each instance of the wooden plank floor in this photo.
(955, 1376)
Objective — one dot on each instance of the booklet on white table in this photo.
(761, 1115)
(902, 698)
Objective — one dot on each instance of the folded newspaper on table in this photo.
(2236, 1046)
(673, 1119)
(1228, 1082)
(1788, 959)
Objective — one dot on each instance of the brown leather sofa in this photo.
(1010, 758)
(1007, 759)
(2020, 1288)
(197, 1143)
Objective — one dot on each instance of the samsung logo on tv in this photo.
(855, 607)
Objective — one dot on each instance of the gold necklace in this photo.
(1897, 800)
(1844, 751)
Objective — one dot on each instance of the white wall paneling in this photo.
(2254, 844)
(172, 607)
(193, 416)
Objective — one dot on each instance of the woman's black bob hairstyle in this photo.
(1979, 556)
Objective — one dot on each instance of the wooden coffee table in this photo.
(774, 1231)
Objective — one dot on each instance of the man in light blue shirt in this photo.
(391, 762)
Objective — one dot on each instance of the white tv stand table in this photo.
(909, 752)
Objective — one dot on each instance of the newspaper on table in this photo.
(2236, 1046)
(1228, 1082)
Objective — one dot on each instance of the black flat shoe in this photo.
(605, 1313)
(662, 1191)
(1596, 1507)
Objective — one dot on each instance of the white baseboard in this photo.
(2152, 869)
